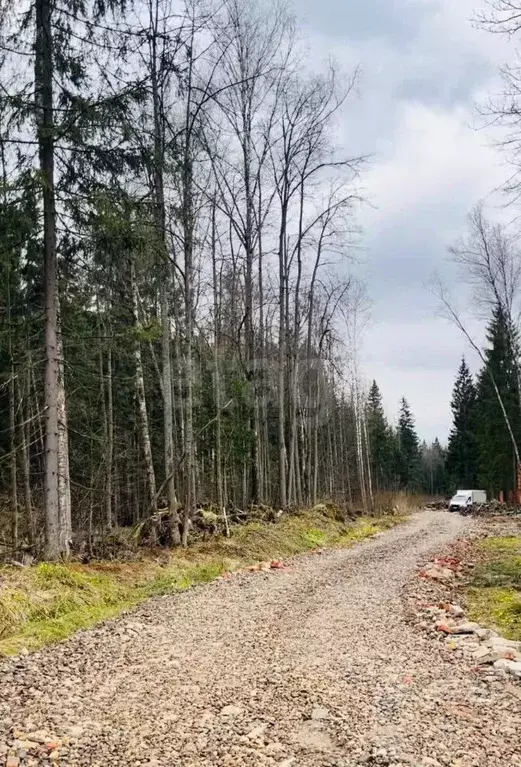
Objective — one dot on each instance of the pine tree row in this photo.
(398, 461)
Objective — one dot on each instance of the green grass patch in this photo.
(315, 537)
(49, 602)
(498, 608)
(364, 529)
(505, 544)
(495, 592)
(506, 574)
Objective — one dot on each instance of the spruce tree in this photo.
(462, 454)
(409, 449)
(380, 439)
(497, 470)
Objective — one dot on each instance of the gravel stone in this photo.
(485, 655)
(465, 628)
(511, 666)
(228, 675)
(232, 711)
(500, 643)
(320, 713)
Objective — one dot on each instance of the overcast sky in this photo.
(424, 67)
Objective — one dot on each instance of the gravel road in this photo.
(311, 665)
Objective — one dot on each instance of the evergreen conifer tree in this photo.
(462, 455)
(497, 469)
(409, 449)
(380, 440)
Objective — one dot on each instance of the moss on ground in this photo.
(495, 593)
(49, 602)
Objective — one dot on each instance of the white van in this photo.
(465, 498)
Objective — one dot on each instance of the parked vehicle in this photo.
(465, 498)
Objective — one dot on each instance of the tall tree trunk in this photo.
(330, 464)
(341, 451)
(368, 462)
(314, 486)
(168, 415)
(164, 266)
(56, 485)
(24, 394)
(294, 480)
(12, 417)
(103, 417)
(248, 293)
(107, 405)
(187, 214)
(12, 387)
(334, 450)
(298, 462)
(35, 412)
(64, 485)
(359, 447)
(282, 358)
(311, 403)
(217, 379)
(13, 455)
(141, 398)
(178, 380)
(262, 426)
(292, 392)
(345, 451)
(188, 225)
(110, 507)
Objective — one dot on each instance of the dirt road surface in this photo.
(309, 666)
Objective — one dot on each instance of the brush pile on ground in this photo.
(493, 509)
(440, 505)
(210, 520)
(158, 531)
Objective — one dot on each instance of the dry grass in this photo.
(398, 503)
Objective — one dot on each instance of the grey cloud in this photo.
(432, 86)
(423, 67)
(423, 357)
(396, 21)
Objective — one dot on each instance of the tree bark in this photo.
(12, 416)
(217, 379)
(24, 438)
(282, 358)
(141, 398)
(187, 215)
(368, 463)
(13, 457)
(111, 511)
(164, 267)
(56, 486)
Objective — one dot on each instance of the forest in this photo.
(234, 397)
(179, 305)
